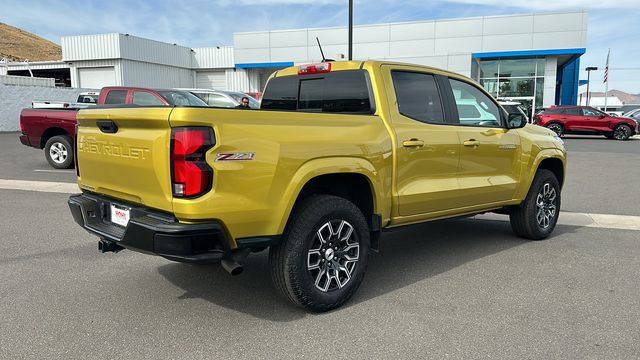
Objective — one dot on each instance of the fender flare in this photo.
(332, 165)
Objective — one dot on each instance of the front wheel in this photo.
(59, 152)
(538, 214)
(622, 132)
(556, 128)
(322, 258)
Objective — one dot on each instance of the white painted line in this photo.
(602, 221)
(42, 186)
(54, 171)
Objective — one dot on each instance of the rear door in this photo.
(572, 119)
(124, 153)
(427, 147)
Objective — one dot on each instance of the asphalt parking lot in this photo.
(451, 289)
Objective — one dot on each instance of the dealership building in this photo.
(530, 58)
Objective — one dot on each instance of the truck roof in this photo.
(360, 64)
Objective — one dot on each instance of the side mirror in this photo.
(601, 116)
(516, 121)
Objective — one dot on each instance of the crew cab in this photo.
(340, 152)
(585, 120)
(53, 129)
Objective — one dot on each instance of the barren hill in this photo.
(16, 45)
(625, 97)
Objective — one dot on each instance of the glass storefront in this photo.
(520, 80)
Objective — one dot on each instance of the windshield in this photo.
(182, 98)
(237, 96)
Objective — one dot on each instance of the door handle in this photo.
(107, 126)
(471, 142)
(413, 143)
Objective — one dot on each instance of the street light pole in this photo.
(350, 29)
(589, 69)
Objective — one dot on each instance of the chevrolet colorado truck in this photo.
(339, 152)
(53, 129)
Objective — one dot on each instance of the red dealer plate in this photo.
(119, 215)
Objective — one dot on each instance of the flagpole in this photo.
(606, 89)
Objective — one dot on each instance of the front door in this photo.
(490, 163)
(593, 120)
(427, 145)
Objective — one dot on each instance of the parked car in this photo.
(223, 98)
(342, 151)
(84, 99)
(54, 129)
(513, 107)
(585, 120)
(632, 113)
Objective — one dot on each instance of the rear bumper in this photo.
(150, 231)
(24, 139)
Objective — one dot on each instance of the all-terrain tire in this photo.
(292, 260)
(526, 219)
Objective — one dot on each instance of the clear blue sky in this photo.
(613, 24)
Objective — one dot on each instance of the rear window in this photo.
(116, 97)
(338, 92)
(417, 96)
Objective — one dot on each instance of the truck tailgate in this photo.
(130, 163)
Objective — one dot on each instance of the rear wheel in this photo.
(538, 214)
(322, 258)
(556, 128)
(622, 132)
(59, 152)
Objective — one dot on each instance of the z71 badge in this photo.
(234, 156)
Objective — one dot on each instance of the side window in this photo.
(417, 96)
(116, 97)
(573, 111)
(589, 112)
(146, 99)
(217, 100)
(475, 108)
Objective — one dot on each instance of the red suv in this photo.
(584, 120)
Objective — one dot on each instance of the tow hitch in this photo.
(108, 246)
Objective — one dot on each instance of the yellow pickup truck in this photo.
(339, 152)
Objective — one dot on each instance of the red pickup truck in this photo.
(54, 129)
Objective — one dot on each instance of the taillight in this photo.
(314, 69)
(190, 174)
(75, 151)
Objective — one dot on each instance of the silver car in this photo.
(223, 98)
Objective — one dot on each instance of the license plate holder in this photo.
(120, 215)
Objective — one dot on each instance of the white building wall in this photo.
(213, 57)
(90, 47)
(14, 98)
(136, 73)
(550, 73)
(442, 43)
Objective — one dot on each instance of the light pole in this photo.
(350, 29)
(589, 69)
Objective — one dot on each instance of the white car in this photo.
(223, 98)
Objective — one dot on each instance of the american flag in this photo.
(606, 68)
